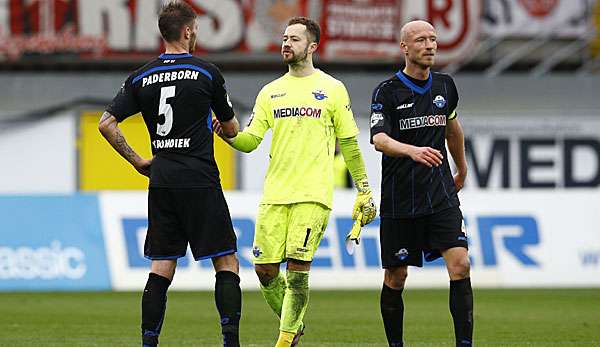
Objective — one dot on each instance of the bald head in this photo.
(418, 43)
(413, 28)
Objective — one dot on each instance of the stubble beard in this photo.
(422, 63)
(301, 60)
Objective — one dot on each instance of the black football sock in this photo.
(228, 298)
(392, 312)
(154, 303)
(461, 307)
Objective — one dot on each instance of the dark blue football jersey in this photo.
(415, 112)
(176, 95)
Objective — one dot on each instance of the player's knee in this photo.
(459, 268)
(227, 262)
(266, 273)
(164, 268)
(396, 278)
(298, 265)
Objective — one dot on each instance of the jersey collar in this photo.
(174, 56)
(415, 88)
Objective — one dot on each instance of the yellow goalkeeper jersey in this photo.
(306, 115)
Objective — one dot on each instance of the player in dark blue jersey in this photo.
(176, 94)
(413, 115)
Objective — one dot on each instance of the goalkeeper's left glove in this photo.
(364, 206)
(353, 237)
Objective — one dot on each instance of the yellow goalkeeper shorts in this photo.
(291, 231)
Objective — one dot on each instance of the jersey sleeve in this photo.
(124, 104)
(381, 121)
(343, 119)
(453, 102)
(260, 119)
(221, 104)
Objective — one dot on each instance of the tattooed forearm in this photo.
(123, 147)
(110, 130)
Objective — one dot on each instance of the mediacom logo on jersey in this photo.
(432, 120)
(297, 112)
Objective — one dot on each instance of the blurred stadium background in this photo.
(73, 214)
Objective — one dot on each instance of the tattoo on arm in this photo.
(123, 147)
(112, 133)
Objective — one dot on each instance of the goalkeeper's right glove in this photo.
(364, 206)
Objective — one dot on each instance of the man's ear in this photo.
(404, 47)
(187, 33)
(312, 47)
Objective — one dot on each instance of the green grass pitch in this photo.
(544, 318)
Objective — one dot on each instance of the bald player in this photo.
(413, 116)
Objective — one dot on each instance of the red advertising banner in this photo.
(113, 30)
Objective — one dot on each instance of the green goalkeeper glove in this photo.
(364, 206)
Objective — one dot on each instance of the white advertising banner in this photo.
(537, 18)
(39, 157)
(532, 152)
(517, 239)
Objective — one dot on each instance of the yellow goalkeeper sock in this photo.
(285, 339)
(274, 293)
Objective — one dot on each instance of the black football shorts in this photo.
(178, 216)
(406, 241)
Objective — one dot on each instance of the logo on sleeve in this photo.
(319, 95)
(376, 107)
(439, 101)
(376, 119)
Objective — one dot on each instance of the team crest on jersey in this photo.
(319, 95)
(256, 251)
(376, 119)
(439, 101)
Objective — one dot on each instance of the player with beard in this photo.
(413, 115)
(307, 110)
(175, 94)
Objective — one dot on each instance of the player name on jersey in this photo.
(431, 120)
(170, 76)
(297, 112)
(171, 143)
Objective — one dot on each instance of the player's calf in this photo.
(154, 302)
(228, 298)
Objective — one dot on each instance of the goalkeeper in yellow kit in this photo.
(307, 110)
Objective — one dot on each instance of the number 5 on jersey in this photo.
(165, 109)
